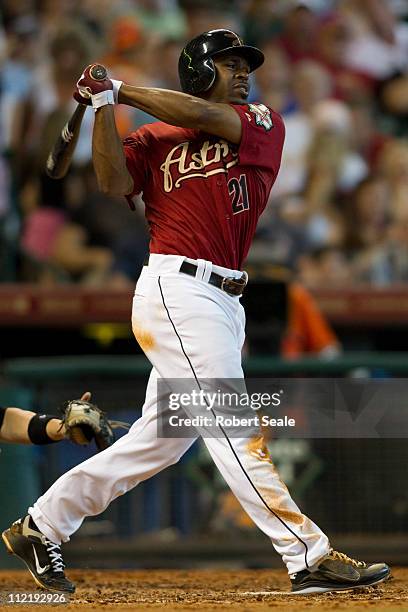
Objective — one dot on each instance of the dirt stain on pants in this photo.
(145, 338)
(257, 448)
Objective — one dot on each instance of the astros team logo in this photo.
(262, 115)
(185, 161)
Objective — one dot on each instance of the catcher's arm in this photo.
(16, 426)
(25, 427)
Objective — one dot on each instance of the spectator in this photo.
(368, 222)
(57, 246)
(282, 233)
(393, 165)
(324, 267)
(299, 32)
(329, 167)
(311, 83)
(393, 104)
(51, 90)
(308, 332)
(331, 150)
(332, 43)
(273, 80)
(378, 45)
(16, 80)
(262, 21)
(368, 214)
(378, 221)
(366, 137)
(109, 224)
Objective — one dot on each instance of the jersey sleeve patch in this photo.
(260, 145)
(262, 116)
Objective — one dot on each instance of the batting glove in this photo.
(94, 87)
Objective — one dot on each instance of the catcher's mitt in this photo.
(84, 421)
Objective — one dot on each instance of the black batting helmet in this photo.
(196, 67)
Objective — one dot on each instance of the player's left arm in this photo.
(183, 110)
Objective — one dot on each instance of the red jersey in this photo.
(204, 195)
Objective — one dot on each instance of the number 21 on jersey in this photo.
(237, 188)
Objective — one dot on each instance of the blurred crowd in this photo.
(337, 70)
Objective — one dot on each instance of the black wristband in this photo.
(37, 429)
(2, 415)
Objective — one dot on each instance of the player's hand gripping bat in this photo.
(61, 154)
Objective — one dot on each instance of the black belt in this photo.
(232, 286)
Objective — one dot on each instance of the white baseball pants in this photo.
(187, 328)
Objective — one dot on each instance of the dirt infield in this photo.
(206, 590)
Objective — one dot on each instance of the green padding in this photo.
(22, 398)
(41, 368)
(19, 483)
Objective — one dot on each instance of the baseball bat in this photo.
(60, 156)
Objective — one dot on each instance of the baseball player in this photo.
(25, 427)
(205, 171)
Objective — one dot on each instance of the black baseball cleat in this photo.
(338, 572)
(42, 557)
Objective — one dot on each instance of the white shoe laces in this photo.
(54, 553)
